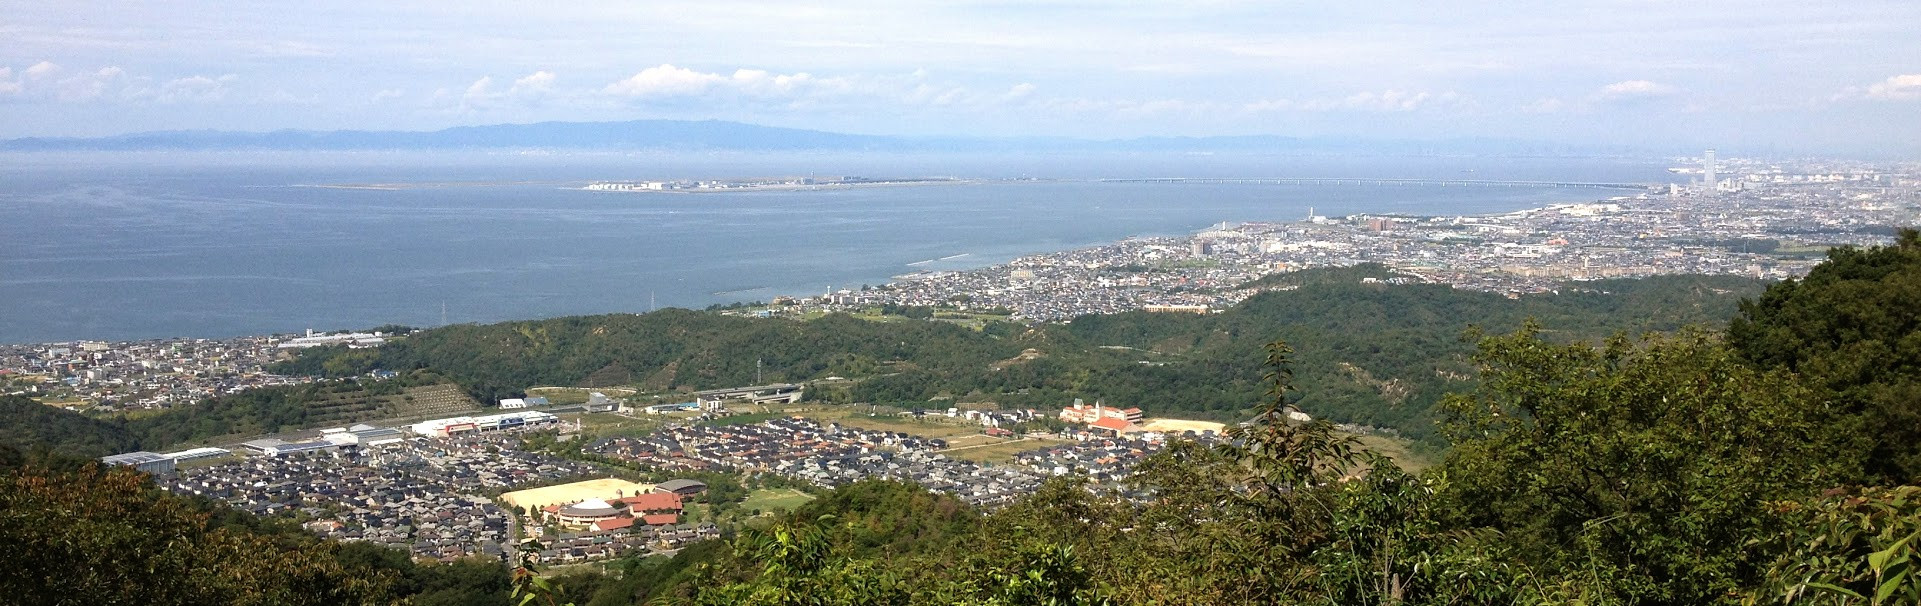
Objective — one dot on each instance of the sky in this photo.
(1760, 75)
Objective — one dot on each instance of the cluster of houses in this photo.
(754, 447)
(422, 495)
(385, 504)
(1105, 460)
(570, 547)
(986, 418)
(827, 455)
(140, 374)
(971, 482)
(831, 455)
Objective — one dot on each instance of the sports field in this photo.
(772, 499)
(1171, 425)
(606, 488)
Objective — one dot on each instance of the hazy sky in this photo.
(1759, 74)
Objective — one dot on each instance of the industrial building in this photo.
(519, 403)
(197, 453)
(363, 435)
(440, 428)
(273, 448)
(150, 462)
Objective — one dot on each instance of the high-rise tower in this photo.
(1707, 171)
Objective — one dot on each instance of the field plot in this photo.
(1001, 450)
(927, 428)
(350, 406)
(1397, 450)
(610, 424)
(979, 439)
(606, 488)
(773, 499)
(1179, 425)
(562, 396)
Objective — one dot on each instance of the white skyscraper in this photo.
(1707, 171)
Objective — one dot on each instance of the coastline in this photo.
(503, 250)
(784, 187)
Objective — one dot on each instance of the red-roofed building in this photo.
(653, 502)
(1082, 413)
(1118, 427)
(614, 524)
(661, 519)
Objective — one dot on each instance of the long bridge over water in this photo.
(1369, 181)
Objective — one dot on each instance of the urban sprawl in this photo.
(467, 486)
(1761, 220)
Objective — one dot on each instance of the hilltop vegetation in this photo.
(275, 409)
(34, 427)
(81, 534)
(30, 426)
(1373, 353)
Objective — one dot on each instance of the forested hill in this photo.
(1372, 353)
(30, 426)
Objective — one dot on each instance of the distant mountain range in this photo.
(721, 135)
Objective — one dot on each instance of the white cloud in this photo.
(47, 80)
(525, 91)
(1392, 100)
(194, 89)
(665, 81)
(749, 87)
(42, 69)
(479, 95)
(391, 93)
(288, 48)
(1905, 87)
(1628, 91)
(533, 84)
(283, 97)
(1545, 105)
(480, 88)
(85, 87)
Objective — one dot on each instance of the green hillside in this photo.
(30, 426)
(1375, 353)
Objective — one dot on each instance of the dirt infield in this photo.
(608, 488)
(1172, 425)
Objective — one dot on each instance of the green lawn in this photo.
(1397, 449)
(926, 427)
(746, 419)
(773, 499)
(609, 424)
(1001, 451)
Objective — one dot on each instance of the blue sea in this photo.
(145, 245)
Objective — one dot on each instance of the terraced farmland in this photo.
(445, 399)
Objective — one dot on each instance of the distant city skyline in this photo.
(1738, 76)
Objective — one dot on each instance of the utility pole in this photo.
(443, 313)
(756, 371)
